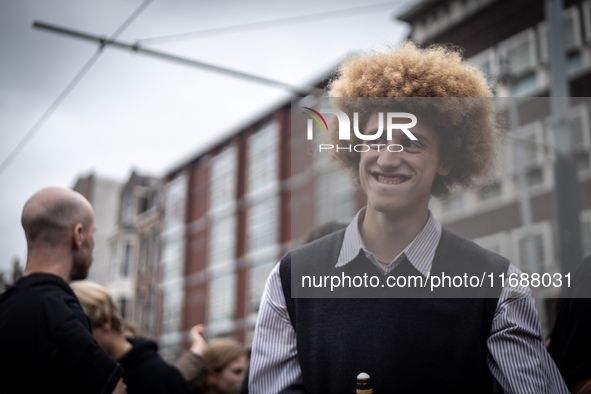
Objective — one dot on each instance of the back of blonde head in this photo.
(98, 304)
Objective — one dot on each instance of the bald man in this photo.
(46, 343)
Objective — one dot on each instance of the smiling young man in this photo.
(417, 341)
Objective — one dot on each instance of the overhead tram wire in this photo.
(326, 15)
(56, 103)
(211, 32)
(300, 90)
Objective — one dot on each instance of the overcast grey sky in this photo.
(133, 111)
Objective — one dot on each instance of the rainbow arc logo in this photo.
(316, 117)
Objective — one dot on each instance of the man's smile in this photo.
(394, 179)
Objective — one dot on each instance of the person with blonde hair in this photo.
(409, 340)
(145, 371)
(216, 368)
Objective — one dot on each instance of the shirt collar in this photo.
(419, 252)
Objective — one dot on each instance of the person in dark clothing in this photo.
(145, 371)
(570, 344)
(45, 343)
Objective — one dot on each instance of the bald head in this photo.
(50, 214)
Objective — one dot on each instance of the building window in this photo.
(155, 251)
(114, 268)
(524, 84)
(586, 233)
(335, 197)
(586, 7)
(172, 258)
(122, 304)
(489, 191)
(579, 128)
(486, 61)
(534, 177)
(222, 240)
(127, 260)
(334, 193)
(222, 293)
(454, 202)
(129, 209)
(519, 60)
(542, 259)
(263, 157)
(257, 278)
(175, 197)
(537, 249)
(143, 205)
(262, 224)
(572, 39)
(143, 254)
(580, 135)
(223, 178)
(171, 309)
(530, 144)
(496, 243)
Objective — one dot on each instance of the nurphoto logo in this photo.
(345, 129)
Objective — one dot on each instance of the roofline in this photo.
(243, 126)
(419, 9)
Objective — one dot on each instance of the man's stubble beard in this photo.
(80, 269)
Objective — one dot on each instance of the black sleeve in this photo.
(155, 377)
(79, 313)
(570, 344)
(77, 360)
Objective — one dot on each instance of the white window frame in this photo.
(276, 202)
(537, 130)
(501, 239)
(488, 55)
(175, 200)
(230, 297)
(580, 110)
(264, 266)
(544, 229)
(229, 157)
(585, 219)
(570, 14)
(230, 240)
(270, 132)
(323, 167)
(505, 46)
(586, 6)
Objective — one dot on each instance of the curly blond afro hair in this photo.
(449, 88)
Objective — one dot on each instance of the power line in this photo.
(272, 23)
(301, 90)
(56, 103)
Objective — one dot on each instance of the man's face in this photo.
(83, 258)
(400, 182)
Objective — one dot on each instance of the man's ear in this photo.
(443, 169)
(78, 235)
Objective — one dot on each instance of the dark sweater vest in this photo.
(406, 345)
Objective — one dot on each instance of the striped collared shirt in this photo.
(419, 252)
(517, 357)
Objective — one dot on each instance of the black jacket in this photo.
(147, 373)
(45, 344)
